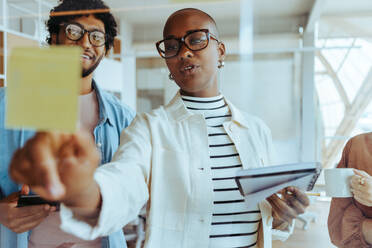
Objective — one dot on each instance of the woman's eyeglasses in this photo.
(194, 40)
(75, 31)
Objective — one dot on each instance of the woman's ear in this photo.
(221, 51)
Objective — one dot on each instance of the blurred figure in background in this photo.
(350, 219)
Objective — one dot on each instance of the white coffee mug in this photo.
(338, 182)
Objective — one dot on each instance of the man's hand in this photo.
(287, 207)
(59, 167)
(22, 219)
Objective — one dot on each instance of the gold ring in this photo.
(362, 180)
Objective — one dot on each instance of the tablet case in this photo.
(259, 183)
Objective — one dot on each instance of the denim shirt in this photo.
(113, 118)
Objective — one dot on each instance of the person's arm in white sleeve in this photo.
(123, 185)
(281, 230)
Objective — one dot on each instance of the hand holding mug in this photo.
(361, 187)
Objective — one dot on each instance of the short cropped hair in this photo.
(53, 24)
(200, 12)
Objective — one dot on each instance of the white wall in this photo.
(109, 75)
(120, 77)
(129, 92)
(155, 78)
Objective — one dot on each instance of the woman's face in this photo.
(195, 72)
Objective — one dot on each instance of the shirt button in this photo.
(231, 128)
(201, 168)
(99, 145)
(201, 220)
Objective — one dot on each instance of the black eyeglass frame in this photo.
(182, 41)
(65, 25)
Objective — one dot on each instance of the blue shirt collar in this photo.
(105, 114)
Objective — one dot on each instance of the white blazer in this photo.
(163, 159)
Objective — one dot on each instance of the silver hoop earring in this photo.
(171, 77)
(221, 64)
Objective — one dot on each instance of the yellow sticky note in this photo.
(42, 88)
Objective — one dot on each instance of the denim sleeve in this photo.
(129, 114)
(2, 108)
(10, 141)
(2, 144)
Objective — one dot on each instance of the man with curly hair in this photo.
(90, 25)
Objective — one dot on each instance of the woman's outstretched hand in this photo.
(59, 167)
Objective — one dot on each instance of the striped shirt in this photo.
(234, 223)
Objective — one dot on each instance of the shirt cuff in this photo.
(74, 226)
(359, 236)
(78, 227)
(283, 231)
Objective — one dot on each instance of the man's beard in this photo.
(90, 70)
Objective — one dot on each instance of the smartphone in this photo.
(30, 200)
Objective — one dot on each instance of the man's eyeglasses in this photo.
(194, 40)
(75, 31)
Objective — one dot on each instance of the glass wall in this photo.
(303, 67)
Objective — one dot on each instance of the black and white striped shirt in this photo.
(234, 223)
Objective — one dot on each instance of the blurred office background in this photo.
(303, 66)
